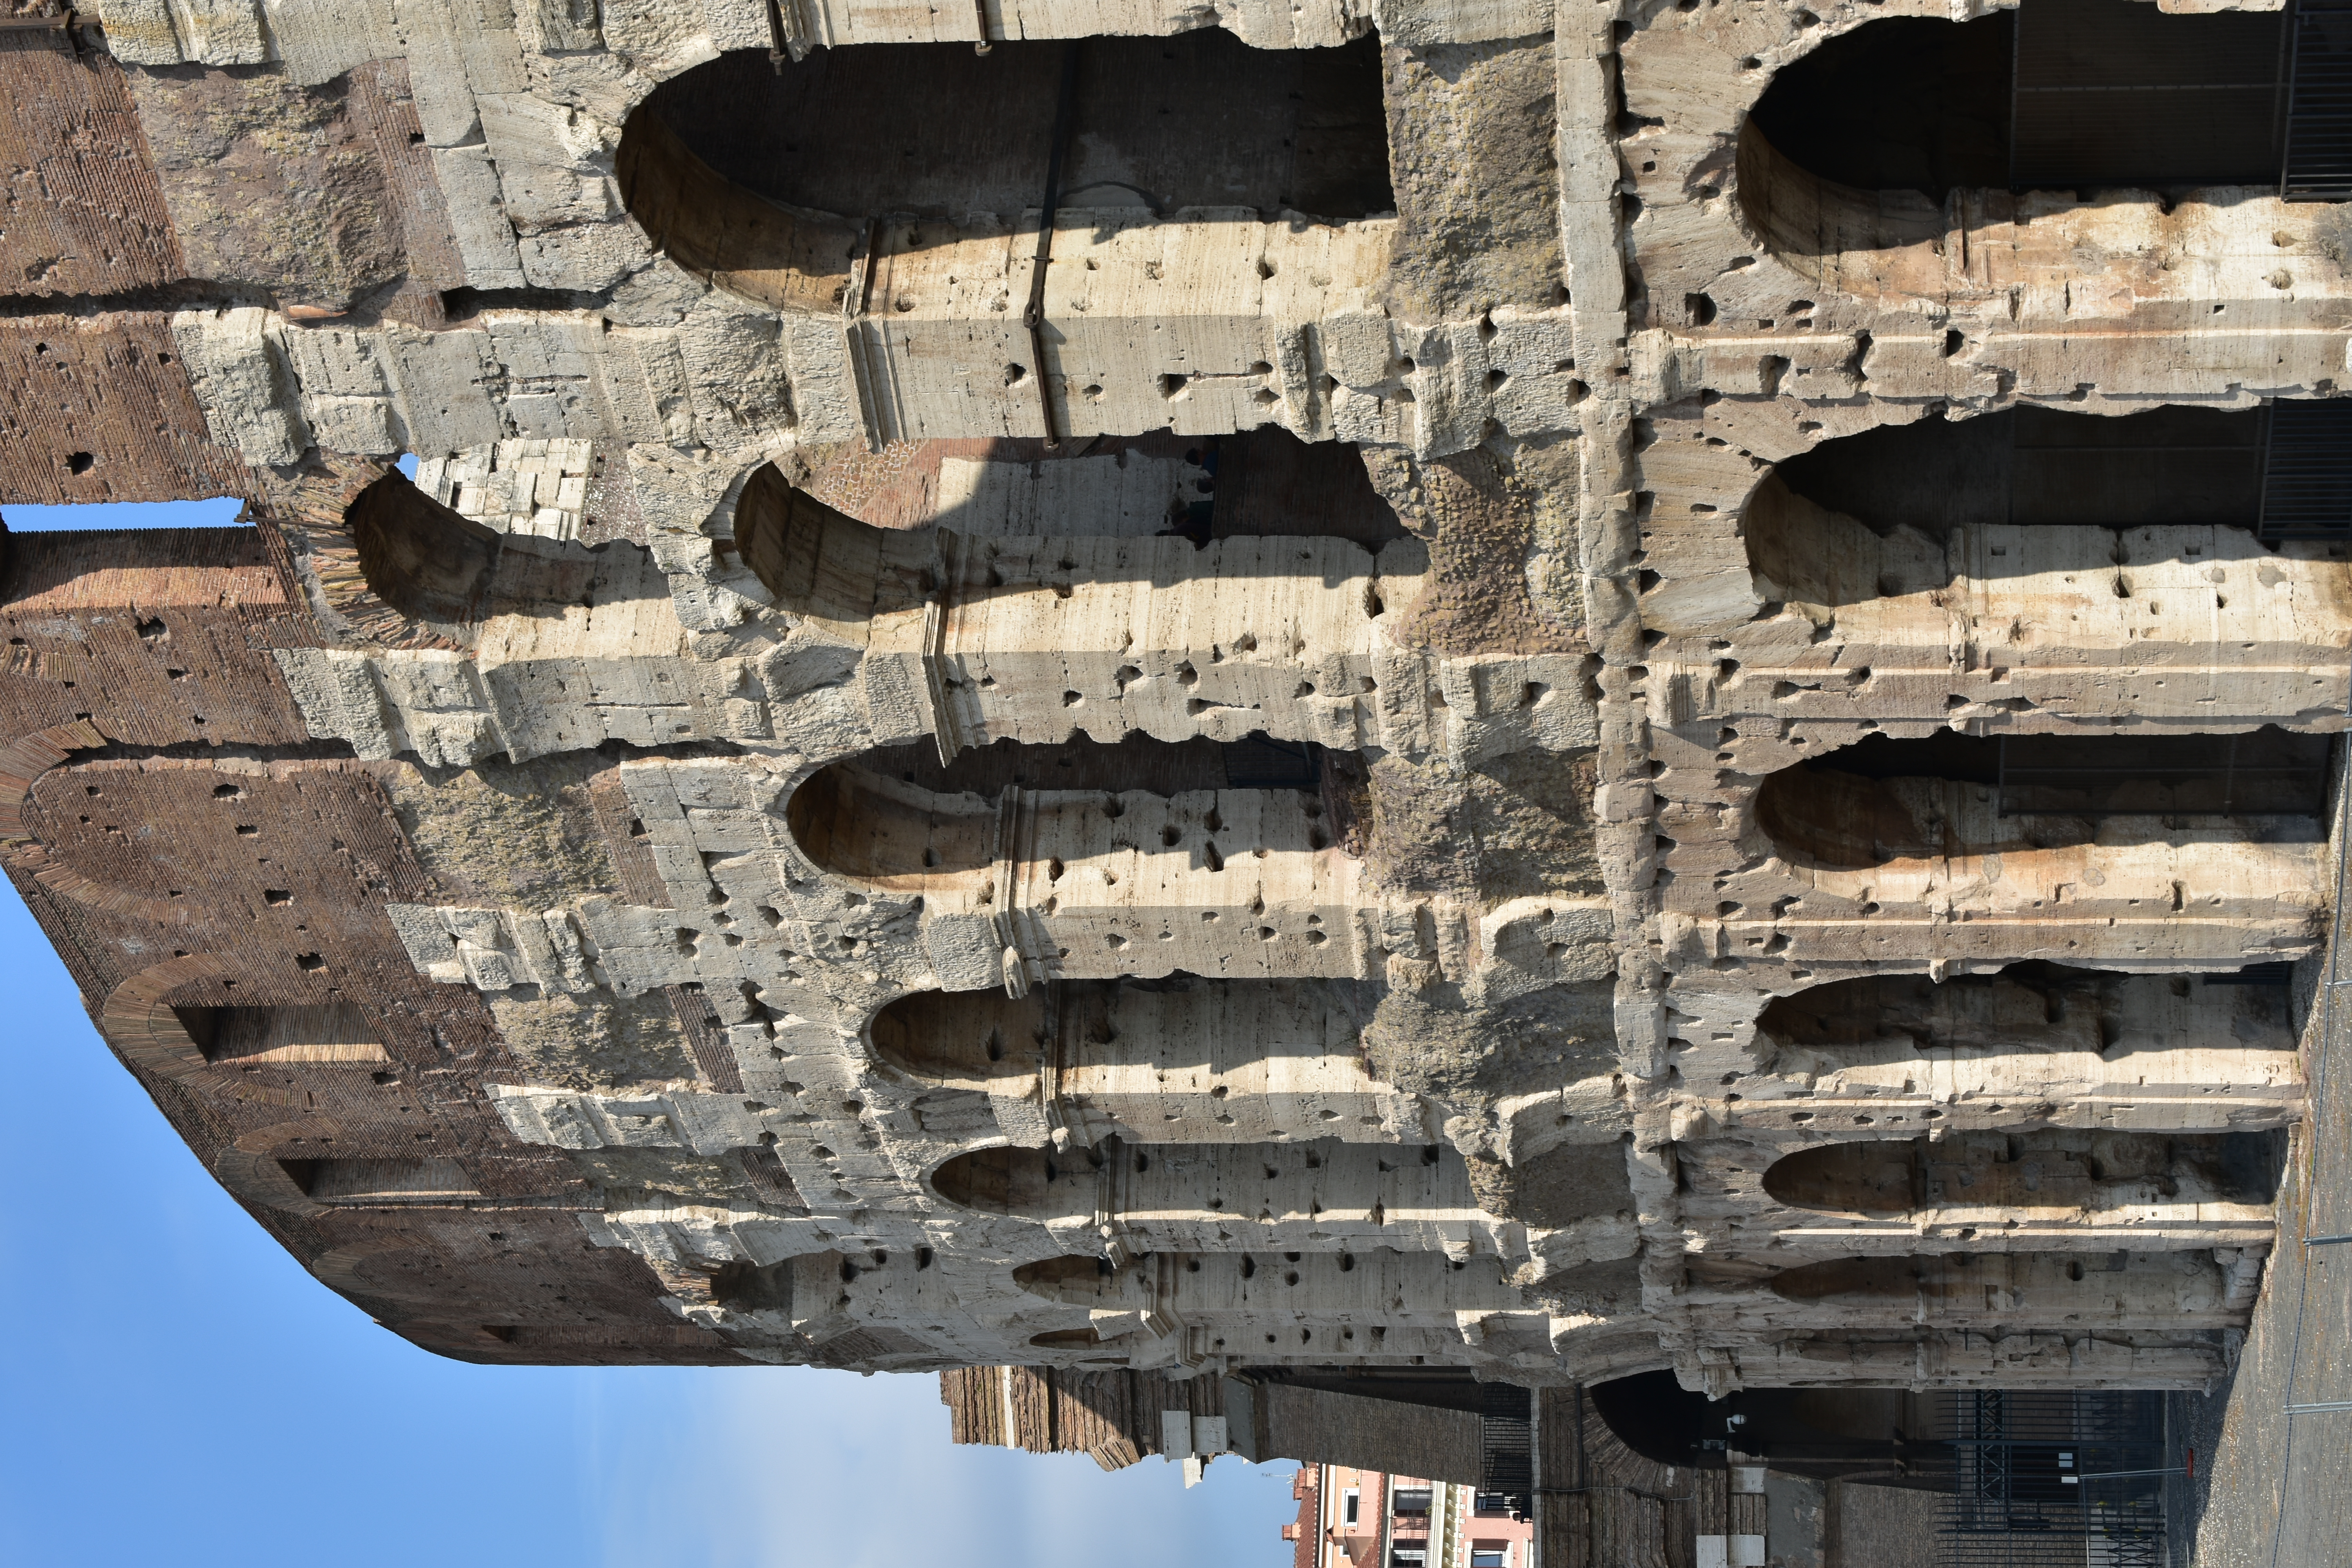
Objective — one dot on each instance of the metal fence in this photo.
(2055, 1479)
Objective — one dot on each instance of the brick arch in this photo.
(25, 759)
(297, 805)
(22, 764)
(338, 1267)
(260, 1180)
(136, 1020)
(141, 1019)
(319, 506)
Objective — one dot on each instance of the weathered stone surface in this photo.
(1544, 751)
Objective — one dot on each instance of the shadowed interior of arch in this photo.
(1187, 1022)
(1885, 799)
(2058, 1173)
(2025, 1009)
(1904, 509)
(898, 811)
(821, 562)
(749, 170)
(2057, 93)
(329, 1032)
(1347, 1188)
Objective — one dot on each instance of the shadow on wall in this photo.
(2061, 1172)
(2027, 1008)
(746, 172)
(1903, 509)
(896, 816)
(820, 562)
(1886, 800)
(449, 572)
(1860, 143)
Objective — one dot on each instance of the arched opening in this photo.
(742, 1286)
(2130, 1022)
(254, 1037)
(1080, 1281)
(401, 557)
(1141, 859)
(1261, 483)
(379, 1181)
(1322, 1195)
(1885, 800)
(1377, 1288)
(1860, 143)
(2058, 1173)
(2040, 467)
(744, 168)
(1021, 1183)
(967, 1039)
(1870, 1434)
(1186, 178)
(2056, 93)
(910, 537)
(2175, 1288)
(896, 815)
(420, 557)
(1221, 588)
(826, 565)
(1906, 508)
(1184, 1059)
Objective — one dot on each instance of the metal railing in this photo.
(2063, 1479)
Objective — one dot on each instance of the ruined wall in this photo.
(1488, 743)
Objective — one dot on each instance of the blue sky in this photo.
(179, 1391)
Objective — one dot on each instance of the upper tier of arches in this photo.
(764, 175)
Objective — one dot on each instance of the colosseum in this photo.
(1602, 689)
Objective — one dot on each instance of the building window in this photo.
(1413, 1499)
(1349, 1501)
(1489, 1556)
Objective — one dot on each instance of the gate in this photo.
(2046, 1481)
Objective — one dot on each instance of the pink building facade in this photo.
(1350, 1518)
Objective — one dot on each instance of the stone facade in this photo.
(1413, 739)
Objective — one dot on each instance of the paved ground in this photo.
(2275, 1490)
(1880, 1527)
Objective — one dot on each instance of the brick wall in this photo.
(82, 213)
(186, 846)
(98, 408)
